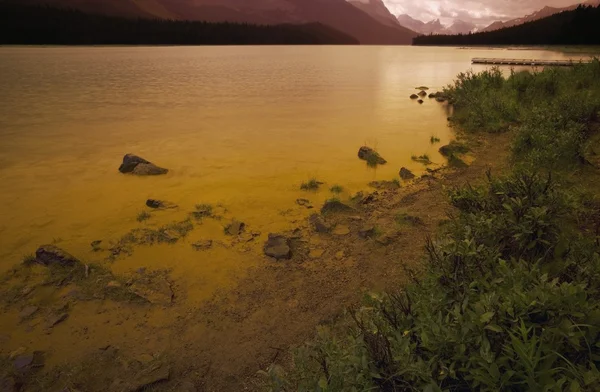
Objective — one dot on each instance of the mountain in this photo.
(45, 25)
(540, 14)
(572, 27)
(411, 23)
(377, 10)
(338, 14)
(433, 27)
(460, 27)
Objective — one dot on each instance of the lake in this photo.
(242, 127)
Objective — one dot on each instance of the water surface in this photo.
(240, 126)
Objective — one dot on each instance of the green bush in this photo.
(552, 111)
(509, 302)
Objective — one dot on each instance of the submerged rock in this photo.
(440, 99)
(139, 166)
(370, 155)
(304, 203)
(420, 101)
(422, 93)
(235, 228)
(160, 204)
(202, 245)
(50, 254)
(336, 206)
(414, 96)
(406, 174)
(278, 247)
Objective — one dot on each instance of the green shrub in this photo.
(509, 302)
(336, 189)
(310, 185)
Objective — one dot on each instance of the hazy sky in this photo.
(478, 11)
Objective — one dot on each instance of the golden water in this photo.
(240, 126)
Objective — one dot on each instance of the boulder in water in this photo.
(406, 174)
(53, 255)
(139, 166)
(370, 155)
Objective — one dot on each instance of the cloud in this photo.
(480, 12)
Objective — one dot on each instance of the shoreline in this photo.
(279, 303)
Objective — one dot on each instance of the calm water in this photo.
(241, 126)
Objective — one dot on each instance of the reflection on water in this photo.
(241, 126)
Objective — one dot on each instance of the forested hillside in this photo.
(577, 27)
(42, 25)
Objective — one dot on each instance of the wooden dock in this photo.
(527, 62)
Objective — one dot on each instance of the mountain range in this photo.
(367, 22)
(435, 26)
(540, 14)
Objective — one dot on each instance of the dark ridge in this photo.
(45, 25)
(580, 26)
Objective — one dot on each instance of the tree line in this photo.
(580, 26)
(45, 25)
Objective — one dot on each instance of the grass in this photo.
(202, 211)
(434, 140)
(337, 189)
(143, 216)
(311, 185)
(509, 299)
(29, 259)
(406, 219)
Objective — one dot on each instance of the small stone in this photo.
(340, 255)
(422, 93)
(50, 254)
(144, 358)
(406, 174)
(414, 96)
(27, 312)
(341, 230)
(304, 203)
(420, 101)
(370, 198)
(316, 253)
(23, 361)
(95, 245)
(160, 204)
(319, 224)
(152, 375)
(367, 232)
(18, 352)
(202, 245)
(278, 247)
(187, 386)
(113, 284)
(57, 319)
(156, 290)
(336, 206)
(235, 228)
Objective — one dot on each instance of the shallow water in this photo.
(240, 126)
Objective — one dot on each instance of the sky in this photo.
(480, 12)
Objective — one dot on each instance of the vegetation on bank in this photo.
(44, 25)
(509, 299)
(575, 27)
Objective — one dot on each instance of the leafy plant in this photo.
(311, 185)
